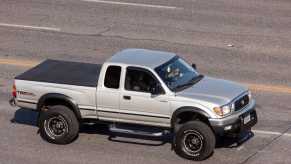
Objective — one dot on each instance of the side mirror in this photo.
(194, 66)
(157, 90)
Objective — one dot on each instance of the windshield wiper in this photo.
(190, 83)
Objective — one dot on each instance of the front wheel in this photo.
(194, 140)
(58, 125)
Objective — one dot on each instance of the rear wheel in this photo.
(194, 140)
(58, 125)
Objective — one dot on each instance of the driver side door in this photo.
(137, 104)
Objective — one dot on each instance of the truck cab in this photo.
(129, 83)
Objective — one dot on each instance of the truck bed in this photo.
(63, 72)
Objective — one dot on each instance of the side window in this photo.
(139, 80)
(112, 77)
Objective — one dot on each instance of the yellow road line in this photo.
(269, 88)
(18, 62)
(253, 87)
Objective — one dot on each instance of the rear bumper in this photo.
(12, 102)
(235, 122)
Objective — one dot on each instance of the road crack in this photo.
(265, 146)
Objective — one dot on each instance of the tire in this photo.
(58, 125)
(194, 140)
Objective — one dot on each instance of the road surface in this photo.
(245, 41)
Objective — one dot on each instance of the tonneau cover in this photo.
(63, 72)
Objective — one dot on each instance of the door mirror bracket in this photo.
(157, 90)
(194, 66)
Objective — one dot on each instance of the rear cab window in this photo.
(112, 77)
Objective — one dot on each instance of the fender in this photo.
(187, 109)
(62, 97)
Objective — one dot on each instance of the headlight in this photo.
(224, 110)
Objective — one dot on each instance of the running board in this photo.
(137, 130)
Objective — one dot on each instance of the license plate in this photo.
(247, 119)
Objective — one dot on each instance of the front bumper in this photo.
(235, 122)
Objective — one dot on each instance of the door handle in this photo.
(126, 97)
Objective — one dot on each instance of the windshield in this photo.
(177, 74)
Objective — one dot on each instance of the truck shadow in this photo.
(25, 116)
(28, 117)
(103, 129)
(233, 142)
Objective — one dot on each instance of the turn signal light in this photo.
(218, 111)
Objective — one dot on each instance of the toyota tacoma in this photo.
(133, 90)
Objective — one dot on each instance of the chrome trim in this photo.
(233, 101)
(239, 96)
(135, 114)
(26, 101)
(115, 129)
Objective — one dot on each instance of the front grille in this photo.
(241, 102)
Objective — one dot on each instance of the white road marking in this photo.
(266, 132)
(29, 27)
(271, 133)
(287, 134)
(133, 4)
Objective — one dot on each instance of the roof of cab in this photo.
(142, 57)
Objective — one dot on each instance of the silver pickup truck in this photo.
(136, 91)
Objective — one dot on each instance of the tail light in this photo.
(14, 90)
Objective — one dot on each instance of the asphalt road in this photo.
(246, 41)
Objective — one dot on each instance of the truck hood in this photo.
(212, 90)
